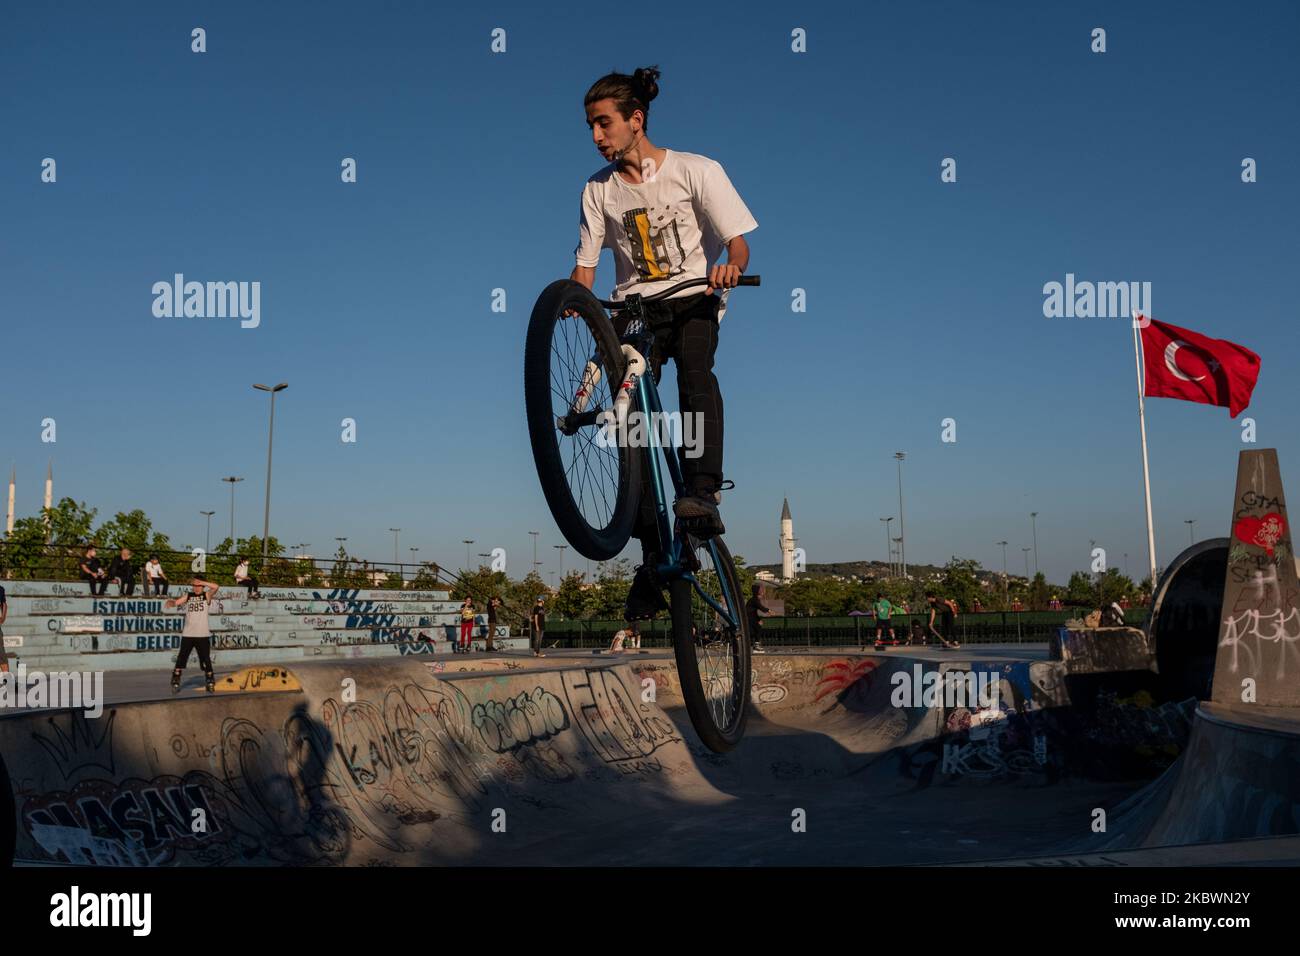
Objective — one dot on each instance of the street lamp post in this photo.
(902, 534)
(561, 548)
(397, 534)
(1006, 592)
(270, 437)
(1033, 522)
(534, 534)
(467, 542)
(889, 548)
(207, 538)
(233, 481)
(1191, 527)
(1026, 553)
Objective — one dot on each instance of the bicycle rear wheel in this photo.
(572, 366)
(713, 665)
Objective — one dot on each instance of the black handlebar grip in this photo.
(750, 280)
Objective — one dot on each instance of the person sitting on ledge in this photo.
(247, 580)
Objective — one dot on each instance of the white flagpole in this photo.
(1146, 471)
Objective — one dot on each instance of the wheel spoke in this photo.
(591, 472)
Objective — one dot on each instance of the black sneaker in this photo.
(176, 684)
(645, 599)
(211, 685)
(699, 515)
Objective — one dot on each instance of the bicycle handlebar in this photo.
(686, 284)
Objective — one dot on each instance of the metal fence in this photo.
(988, 627)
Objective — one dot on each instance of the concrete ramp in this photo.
(562, 762)
(1238, 779)
(415, 769)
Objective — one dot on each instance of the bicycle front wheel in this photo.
(572, 368)
(712, 648)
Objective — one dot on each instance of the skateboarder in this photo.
(884, 619)
(946, 612)
(197, 632)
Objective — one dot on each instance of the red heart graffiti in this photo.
(1263, 532)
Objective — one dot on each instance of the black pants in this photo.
(203, 645)
(101, 583)
(4, 655)
(535, 635)
(251, 584)
(686, 331)
(126, 587)
(159, 585)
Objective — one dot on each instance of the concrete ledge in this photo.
(1096, 649)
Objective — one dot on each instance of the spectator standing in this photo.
(493, 603)
(466, 624)
(537, 627)
(755, 610)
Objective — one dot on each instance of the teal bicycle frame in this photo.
(648, 402)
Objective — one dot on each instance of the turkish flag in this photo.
(1196, 368)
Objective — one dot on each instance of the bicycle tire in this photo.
(718, 731)
(608, 534)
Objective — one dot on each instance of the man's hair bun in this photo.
(647, 78)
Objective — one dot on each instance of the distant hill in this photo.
(855, 569)
(878, 570)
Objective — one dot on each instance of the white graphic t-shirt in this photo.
(196, 609)
(672, 227)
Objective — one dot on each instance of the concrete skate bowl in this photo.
(1185, 617)
(578, 764)
(1239, 779)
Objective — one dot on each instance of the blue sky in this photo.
(924, 298)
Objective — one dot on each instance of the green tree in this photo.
(50, 544)
(570, 599)
(345, 573)
(960, 582)
(609, 597)
(133, 530)
(426, 578)
(480, 584)
(1082, 590)
(307, 575)
(1114, 585)
(1039, 594)
(520, 595)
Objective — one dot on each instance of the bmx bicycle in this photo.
(582, 384)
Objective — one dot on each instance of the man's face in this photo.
(609, 131)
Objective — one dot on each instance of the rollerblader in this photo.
(196, 635)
